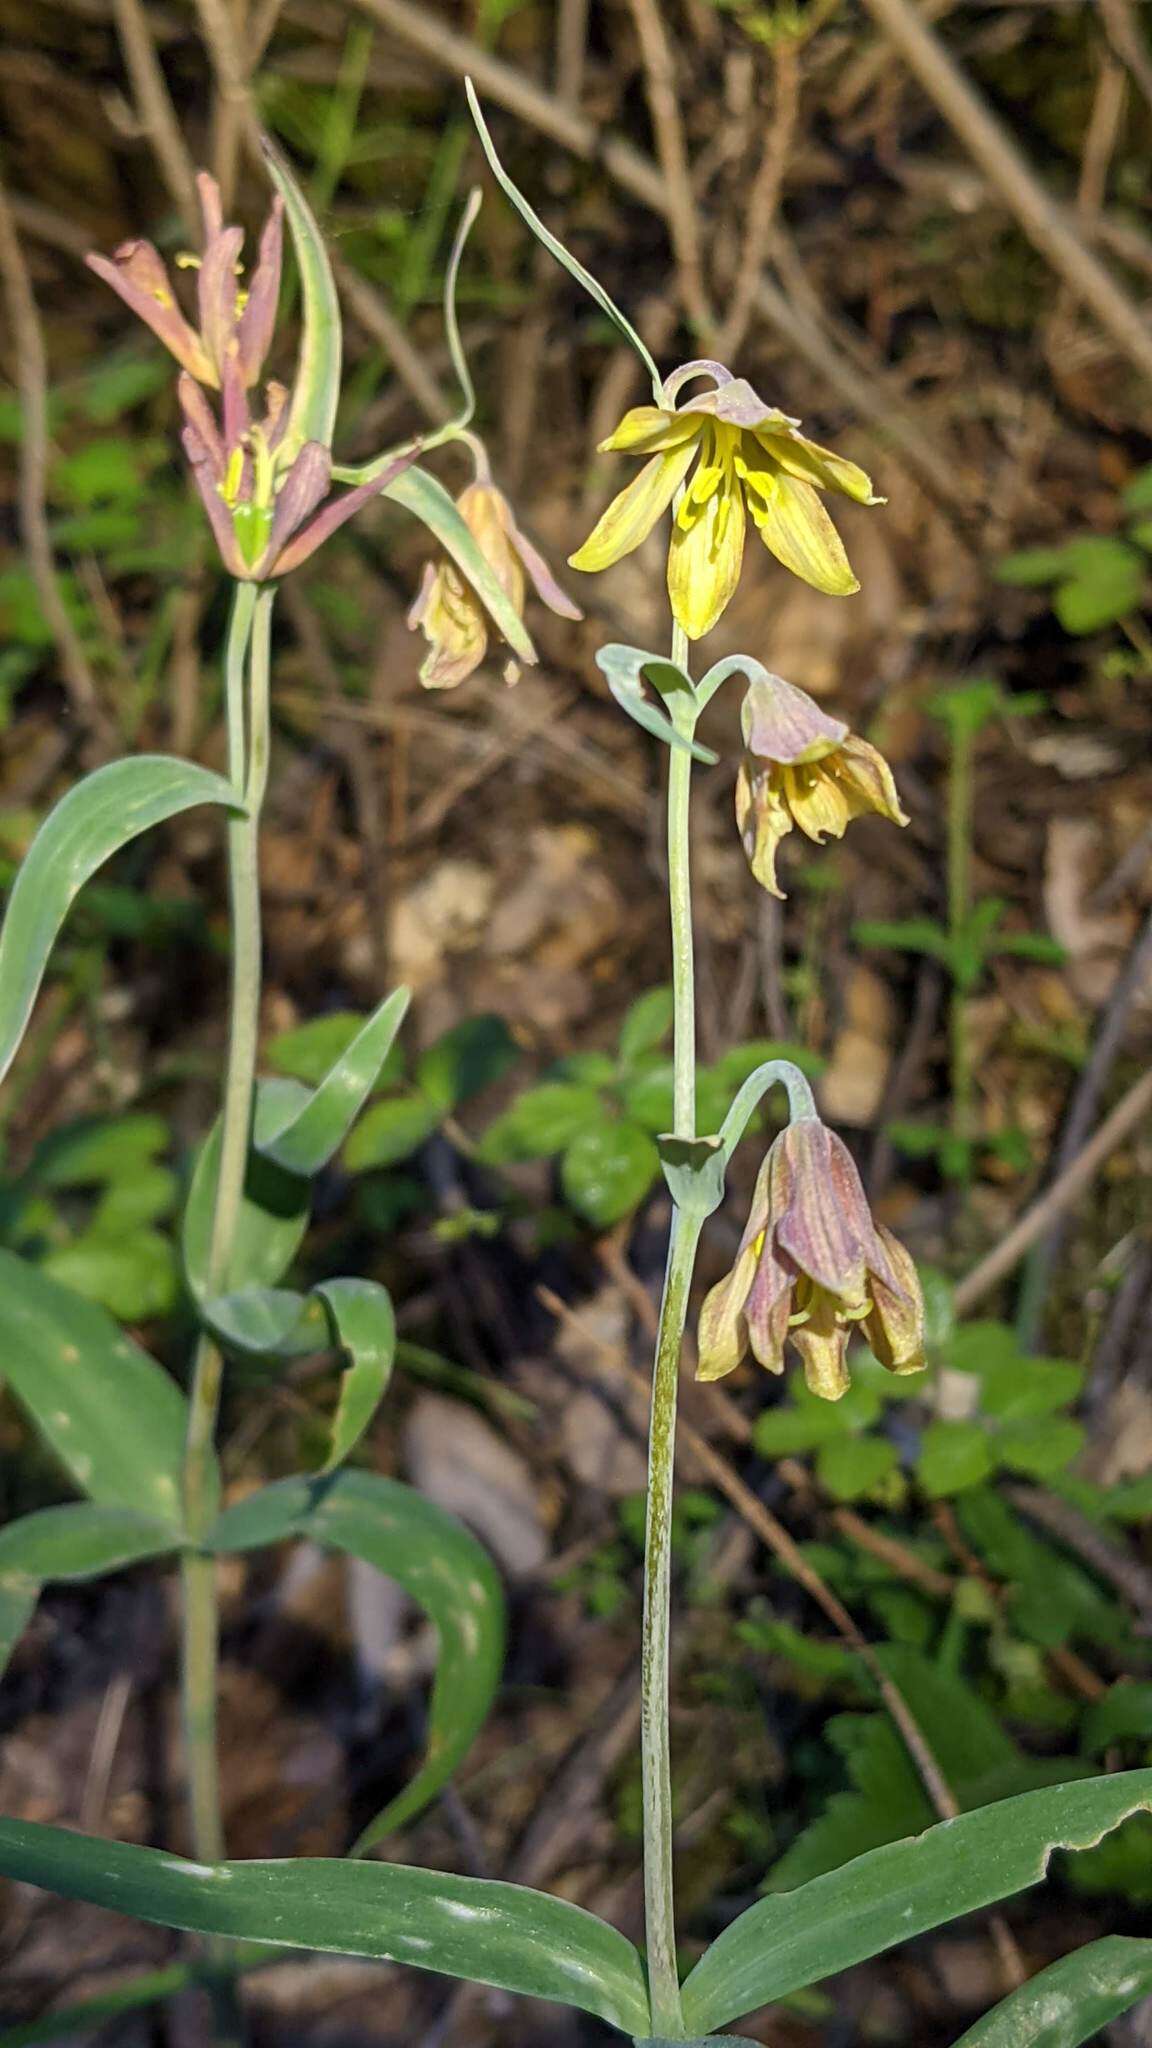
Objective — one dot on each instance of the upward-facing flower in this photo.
(811, 1267)
(262, 483)
(736, 456)
(235, 320)
(801, 767)
(447, 608)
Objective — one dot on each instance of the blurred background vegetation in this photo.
(935, 248)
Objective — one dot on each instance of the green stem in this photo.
(659, 1899)
(246, 688)
(959, 909)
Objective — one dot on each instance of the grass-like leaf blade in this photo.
(791, 1939)
(467, 1927)
(315, 1130)
(439, 1564)
(96, 818)
(81, 1540)
(316, 390)
(1070, 2001)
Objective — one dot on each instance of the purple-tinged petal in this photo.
(894, 1326)
(255, 326)
(337, 511)
(304, 487)
(827, 1225)
(219, 516)
(235, 402)
(211, 211)
(275, 419)
(201, 422)
(738, 406)
(137, 273)
(768, 1308)
(543, 582)
(784, 724)
(217, 287)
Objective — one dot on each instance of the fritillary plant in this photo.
(813, 1271)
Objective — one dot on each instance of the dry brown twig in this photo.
(671, 149)
(1124, 34)
(31, 368)
(764, 198)
(154, 109)
(1045, 223)
(873, 397)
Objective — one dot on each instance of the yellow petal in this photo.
(649, 430)
(822, 1342)
(821, 466)
(866, 779)
(763, 820)
(816, 801)
(630, 518)
(704, 559)
(722, 1336)
(796, 529)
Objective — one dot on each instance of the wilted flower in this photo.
(811, 1267)
(801, 767)
(447, 609)
(235, 322)
(749, 457)
(262, 488)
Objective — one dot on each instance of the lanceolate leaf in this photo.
(274, 1213)
(81, 1541)
(353, 1316)
(438, 1563)
(891, 1894)
(422, 495)
(96, 818)
(487, 1933)
(1071, 2000)
(108, 1411)
(314, 1130)
(316, 391)
(625, 670)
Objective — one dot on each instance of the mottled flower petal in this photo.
(894, 1327)
(217, 289)
(816, 802)
(795, 527)
(767, 1309)
(738, 406)
(630, 518)
(822, 1342)
(200, 418)
(762, 820)
(867, 780)
(783, 724)
(722, 1335)
(219, 516)
(827, 1226)
(304, 487)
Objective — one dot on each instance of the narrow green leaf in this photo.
(109, 1412)
(80, 1541)
(315, 1129)
(18, 1597)
(274, 1213)
(555, 247)
(905, 935)
(625, 670)
(364, 1326)
(1123, 1714)
(352, 1316)
(308, 1050)
(892, 1894)
(428, 501)
(1070, 2001)
(96, 818)
(316, 391)
(468, 1927)
(439, 1564)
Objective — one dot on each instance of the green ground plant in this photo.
(812, 1271)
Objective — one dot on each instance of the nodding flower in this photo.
(801, 767)
(447, 609)
(734, 456)
(811, 1268)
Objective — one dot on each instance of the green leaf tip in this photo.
(316, 391)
